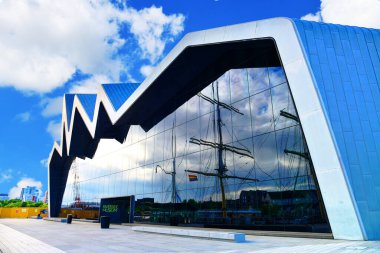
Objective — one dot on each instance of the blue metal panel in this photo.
(346, 68)
(375, 50)
(119, 92)
(88, 102)
(69, 98)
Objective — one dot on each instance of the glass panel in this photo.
(222, 89)
(265, 154)
(258, 80)
(169, 121)
(226, 125)
(140, 175)
(192, 108)
(159, 141)
(132, 182)
(159, 127)
(261, 113)
(140, 133)
(180, 114)
(276, 76)
(193, 130)
(149, 152)
(124, 183)
(207, 128)
(148, 179)
(283, 109)
(180, 140)
(239, 84)
(206, 95)
(169, 144)
(241, 120)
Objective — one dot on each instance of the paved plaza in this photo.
(30, 235)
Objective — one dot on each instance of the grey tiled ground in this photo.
(88, 237)
(14, 241)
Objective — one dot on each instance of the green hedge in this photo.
(19, 203)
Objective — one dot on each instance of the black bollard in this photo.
(69, 218)
(105, 222)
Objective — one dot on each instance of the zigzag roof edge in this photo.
(77, 105)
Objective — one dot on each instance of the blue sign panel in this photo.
(118, 209)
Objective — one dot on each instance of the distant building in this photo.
(30, 193)
(4, 196)
(253, 199)
(46, 197)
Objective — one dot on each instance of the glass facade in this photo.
(233, 156)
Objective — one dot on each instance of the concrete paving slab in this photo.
(88, 237)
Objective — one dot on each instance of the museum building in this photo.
(267, 125)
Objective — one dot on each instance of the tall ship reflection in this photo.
(221, 169)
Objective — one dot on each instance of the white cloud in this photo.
(153, 29)
(15, 191)
(51, 106)
(90, 85)
(23, 117)
(5, 175)
(146, 70)
(364, 13)
(313, 17)
(44, 42)
(44, 162)
(54, 129)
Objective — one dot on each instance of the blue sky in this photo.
(58, 47)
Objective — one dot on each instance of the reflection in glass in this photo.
(238, 80)
(233, 156)
(258, 80)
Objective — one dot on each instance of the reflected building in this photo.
(240, 131)
(253, 198)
